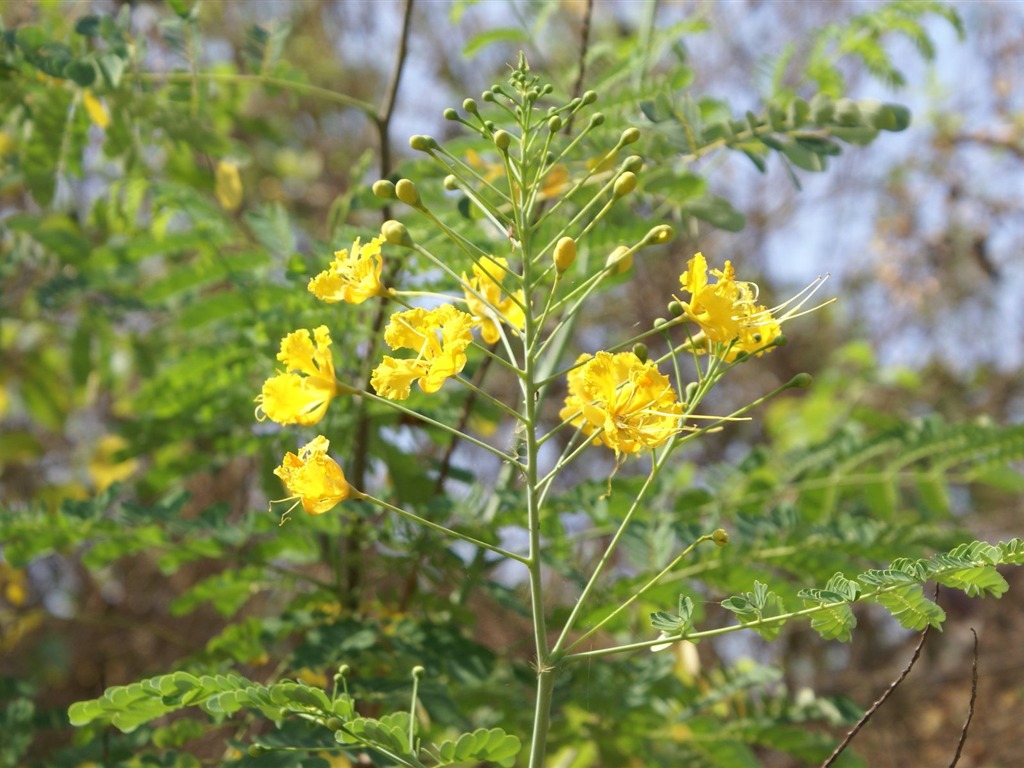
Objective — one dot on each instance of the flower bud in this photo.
(451, 183)
(421, 143)
(502, 139)
(801, 381)
(489, 125)
(625, 184)
(675, 308)
(690, 392)
(596, 119)
(418, 671)
(548, 88)
(640, 350)
(658, 322)
(450, 114)
(256, 750)
(720, 537)
(619, 260)
(470, 106)
(406, 191)
(554, 124)
(395, 233)
(589, 97)
(629, 136)
(565, 254)
(384, 189)
(659, 235)
(487, 96)
(633, 164)
(335, 723)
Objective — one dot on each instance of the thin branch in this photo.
(970, 705)
(881, 699)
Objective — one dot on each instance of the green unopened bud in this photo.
(419, 142)
(549, 158)
(335, 723)
(406, 191)
(801, 380)
(548, 88)
(470, 106)
(619, 260)
(395, 233)
(720, 537)
(596, 119)
(418, 671)
(658, 322)
(344, 669)
(487, 96)
(575, 104)
(384, 189)
(633, 164)
(256, 750)
(450, 114)
(533, 94)
(640, 350)
(502, 139)
(489, 125)
(690, 392)
(451, 183)
(625, 184)
(659, 235)
(590, 97)
(554, 124)
(629, 136)
(675, 308)
(565, 254)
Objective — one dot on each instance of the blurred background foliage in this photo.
(171, 175)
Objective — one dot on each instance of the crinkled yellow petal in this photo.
(289, 398)
(353, 277)
(314, 477)
(630, 401)
(393, 378)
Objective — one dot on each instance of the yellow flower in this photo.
(727, 310)
(352, 277)
(439, 337)
(94, 108)
(486, 283)
(630, 401)
(313, 478)
(228, 186)
(292, 398)
(103, 470)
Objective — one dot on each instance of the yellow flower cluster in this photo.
(301, 394)
(314, 479)
(727, 310)
(438, 336)
(632, 404)
(353, 277)
(484, 300)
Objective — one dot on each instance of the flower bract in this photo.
(301, 394)
(632, 404)
(727, 310)
(353, 277)
(438, 336)
(492, 308)
(314, 478)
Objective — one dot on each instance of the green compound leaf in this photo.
(487, 744)
(911, 608)
(752, 607)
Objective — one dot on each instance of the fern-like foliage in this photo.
(970, 568)
(129, 706)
